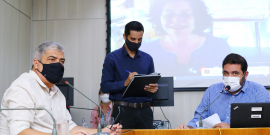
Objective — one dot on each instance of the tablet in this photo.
(136, 86)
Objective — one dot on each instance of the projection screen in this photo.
(188, 39)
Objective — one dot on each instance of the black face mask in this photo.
(134, 47)
(53, 72)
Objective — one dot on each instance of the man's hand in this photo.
(80, 132)
(130, 78)
(29, 131)
(222, 125)
(151, 88)
(182, 126)
(116, 129)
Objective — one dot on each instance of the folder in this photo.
(136, 86)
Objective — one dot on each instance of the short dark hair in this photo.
(203, 19)
(234, 58)
(133, 25)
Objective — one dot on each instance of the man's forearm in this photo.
(78, 128)
(29, 131)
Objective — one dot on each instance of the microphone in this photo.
(54, 132)
(99, 126)
(200, 122)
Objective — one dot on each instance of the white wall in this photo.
(15, 31)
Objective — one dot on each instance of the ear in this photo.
(35, 63)
(124, 36)
(246, 74)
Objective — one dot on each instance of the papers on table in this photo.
(210, 121)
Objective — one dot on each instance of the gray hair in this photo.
(45, 46)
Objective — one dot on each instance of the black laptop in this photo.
(250, 115)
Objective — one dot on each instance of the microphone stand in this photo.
(54, 132)
(200, 122)
(83, 108)
(99, 126)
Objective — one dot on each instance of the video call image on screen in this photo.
(188, 39)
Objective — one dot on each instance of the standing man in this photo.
(137, 113)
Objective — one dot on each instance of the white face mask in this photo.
(233, 82)
(105, 98)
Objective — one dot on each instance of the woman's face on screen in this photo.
(177, 18)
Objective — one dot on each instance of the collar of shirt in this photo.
(36, 77)
(243, 89)
(125, 53)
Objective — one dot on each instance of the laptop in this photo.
(250, 115)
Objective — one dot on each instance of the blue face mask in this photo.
(134, 47)
(53, 72)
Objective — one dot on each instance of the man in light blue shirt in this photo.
(242, 91)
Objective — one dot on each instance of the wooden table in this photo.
(228, 131)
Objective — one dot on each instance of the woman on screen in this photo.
(184, 47)
(106, 111)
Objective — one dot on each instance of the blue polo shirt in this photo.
(114, 74)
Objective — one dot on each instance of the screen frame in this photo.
(108, 22)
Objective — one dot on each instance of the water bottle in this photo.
(84, 124)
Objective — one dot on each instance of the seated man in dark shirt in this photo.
(137, 113)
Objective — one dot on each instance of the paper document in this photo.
(210, 121)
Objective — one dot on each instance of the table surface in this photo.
(227, 131)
